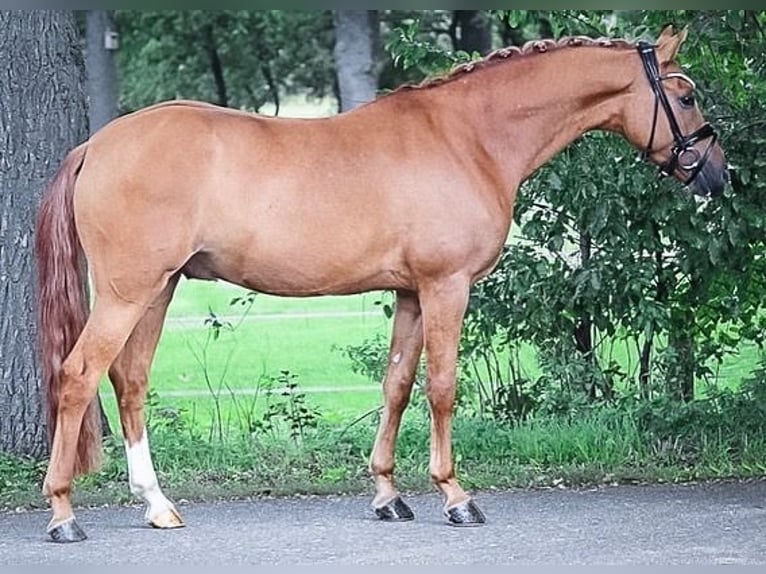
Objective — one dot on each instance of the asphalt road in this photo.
(722, 523)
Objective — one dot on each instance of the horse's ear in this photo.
(669, 42)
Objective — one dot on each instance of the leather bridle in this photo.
(683, 153)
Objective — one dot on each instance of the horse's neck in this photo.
(528, 111)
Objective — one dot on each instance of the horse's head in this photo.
(663, 119)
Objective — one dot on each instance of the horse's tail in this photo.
(62, 300)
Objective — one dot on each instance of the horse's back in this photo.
(258, 201)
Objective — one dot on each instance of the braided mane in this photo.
(531, 47)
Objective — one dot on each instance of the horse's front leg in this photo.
(403, 357)
(443, 305)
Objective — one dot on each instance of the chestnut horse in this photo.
(412, 193)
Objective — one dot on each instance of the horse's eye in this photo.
(687, 101)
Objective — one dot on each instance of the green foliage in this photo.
(286, 405)
(492, 371)
(278, 406)
(409, 50)
(369, 358)
(263, 54)
(421, 37)
(164, 418)
(557, 23)
(723, 413)
(639, 263)
(19, 474)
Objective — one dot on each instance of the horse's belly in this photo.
(300, 274)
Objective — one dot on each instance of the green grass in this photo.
(309, 348)
(302, 335)
(334, 407)
(606, 446)
(738, 366)
(193, 298)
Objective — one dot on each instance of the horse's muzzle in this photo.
(711, 180)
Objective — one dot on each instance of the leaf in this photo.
(554, 181)
(595, 281)
(714, 251)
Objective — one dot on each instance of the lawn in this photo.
(304, 336)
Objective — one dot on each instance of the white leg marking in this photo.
(396, 358)
(143, 479)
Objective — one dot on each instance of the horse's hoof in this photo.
(465, 514)
(67, 531)
(395, 511)
(168, 518)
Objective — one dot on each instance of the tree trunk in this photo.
(101, 71)
(511, 36)
(100, 65)
(471, 31)
(583, 332)
(356, 39)
(680, 340)
(271, 82)
(645, 368)
(42, 116)
(216, 67)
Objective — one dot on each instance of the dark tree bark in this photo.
(216, 66)
(101, 68)
(265, 55)
(681, 372)
(645, 368)
(471, 31)
(647, 349)
(101, 42)
(42, 116)
(583, 332)
(271, 81)
(511, 36)
(356, 39)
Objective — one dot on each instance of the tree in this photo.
(101, 69)
(471, 31)
(243, 59)
(611, 259)
(42, 116)
(356, 39)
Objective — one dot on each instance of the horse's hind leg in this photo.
(404, 353)
(130, 377)
(105, 332)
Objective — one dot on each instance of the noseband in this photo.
(683, 153)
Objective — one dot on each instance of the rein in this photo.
(683, 153)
